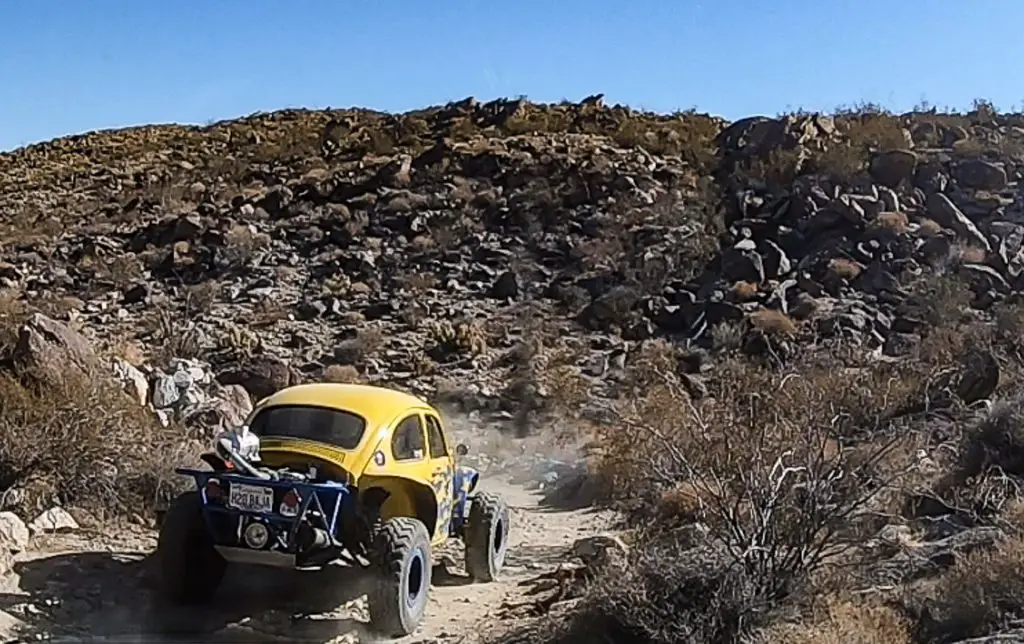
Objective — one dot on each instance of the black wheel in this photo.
(190, 568)
(486, 537)
(398, 598)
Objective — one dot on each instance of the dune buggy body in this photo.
(323, 473)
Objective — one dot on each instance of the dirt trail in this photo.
(100, 589)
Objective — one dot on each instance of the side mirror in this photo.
(461, 449)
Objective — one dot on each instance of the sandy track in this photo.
(92, 589)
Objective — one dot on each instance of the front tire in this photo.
(398, 598)
(486, 537)
(191, 569)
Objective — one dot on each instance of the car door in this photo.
(442, 471)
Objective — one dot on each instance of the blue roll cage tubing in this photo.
(309, 494)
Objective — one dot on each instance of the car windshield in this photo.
(335, 427)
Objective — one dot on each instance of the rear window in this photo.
(331, 426)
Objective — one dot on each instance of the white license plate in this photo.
(252, 498)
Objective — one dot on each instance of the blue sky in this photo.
(70, 66)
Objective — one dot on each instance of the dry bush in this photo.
(768, 461)
(122, 270)
(873, 130)
(773, 322)
(268, 312)
(172, 335)
(844, 621)
(356, 350)
(535, 121)
(688, 135)
(86, 443)
(463, 338)
(778, 168)
(744, 291)
(13, 313)
(982, 592)
(865, 131)
(419, 283)
(843, 268)
(929, 228)
(242, 244)
(995, 441)
(726, 336)
(1008, 331)
(200, 298)
(890, 222)
(342, 374)
(663, 596)
(940, 300)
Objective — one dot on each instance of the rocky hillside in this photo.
(416, 249)
(525, 262)
(423, 248)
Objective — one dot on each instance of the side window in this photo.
(408, 442)
(438, 449)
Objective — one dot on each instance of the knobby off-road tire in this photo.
(190, 568)
(401, 585)
(486, 537)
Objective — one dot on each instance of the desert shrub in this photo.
(776, 468)
(242, 244)
(342, 374)
(996, 440)
(462, 338)
(842, 620)
(983, 591)
(773, 322)
(356, 350)
(863, 132)
(777, 168)
(667, 594)
(172, 335)
(83, 442)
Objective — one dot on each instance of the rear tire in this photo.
(190, 568)
(486, 537)
(398, 598)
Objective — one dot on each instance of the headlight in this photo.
(256, 535)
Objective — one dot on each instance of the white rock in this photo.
(14, 531)
(133, 380)
(182, 379)
(192, 397)
(199, 375)
(165, 392)
(56, 519)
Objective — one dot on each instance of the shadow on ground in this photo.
(110, 597)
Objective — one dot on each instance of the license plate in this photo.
(252, 498)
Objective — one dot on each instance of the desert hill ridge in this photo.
(578, 273)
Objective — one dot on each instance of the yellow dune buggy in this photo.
(322, 473)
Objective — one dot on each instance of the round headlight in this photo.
(256, 536)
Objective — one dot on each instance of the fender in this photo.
(400, 496)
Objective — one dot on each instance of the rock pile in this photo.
(186, 393)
